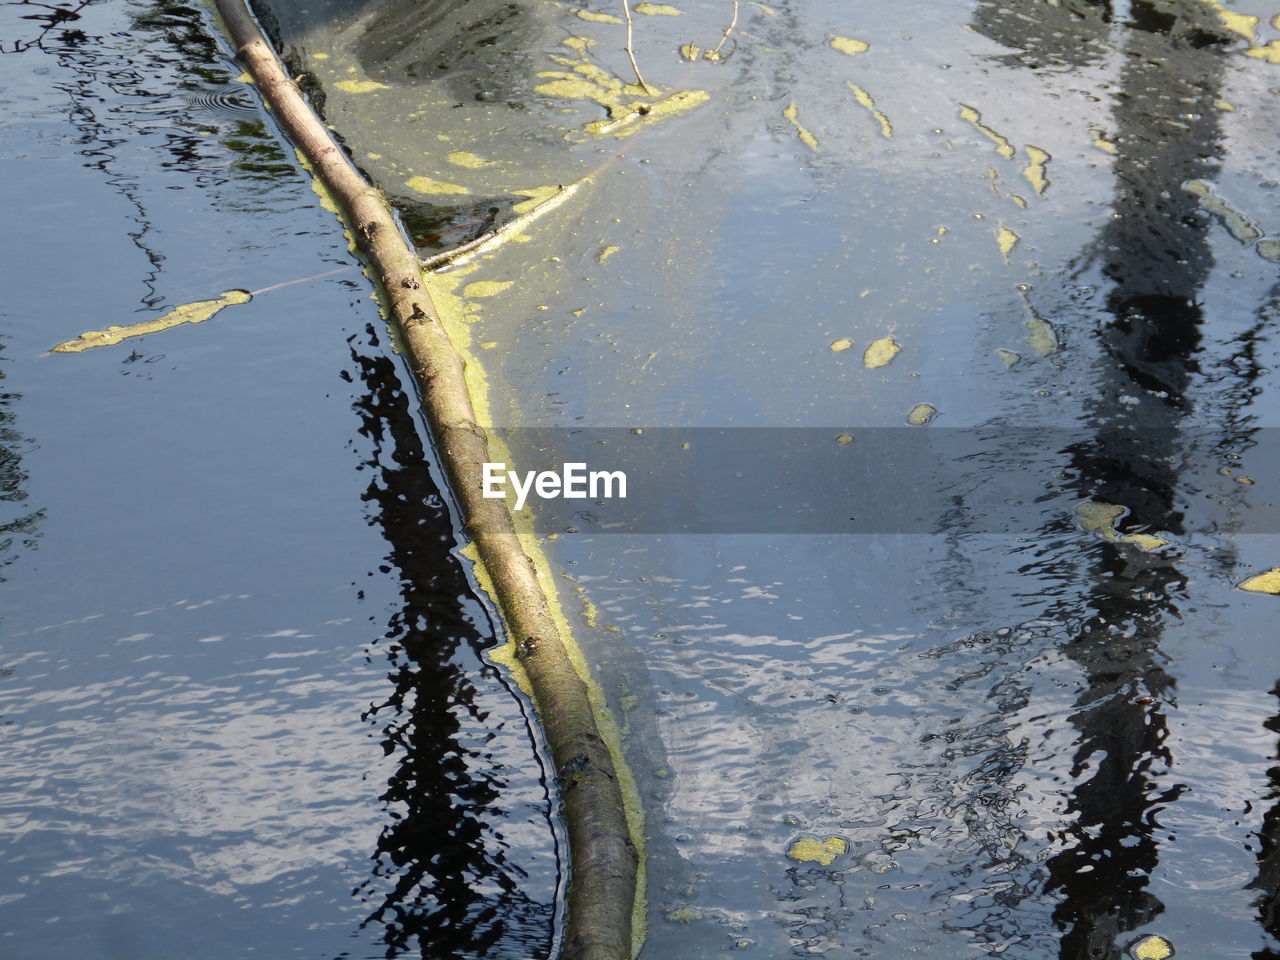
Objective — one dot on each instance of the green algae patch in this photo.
(1006, 240)
(1008, 357)
(1003, 146)
(1151, 948)
(1041, 337)
(485, 288)
(841, 345)
(864, 100)
(683, 915)
(1035, 170)
(360, 86)
(597, 17)
(1268, 582)
(921, 414)
(813, 850)
(657, 10)
(880, 353)
(428, 185)
(792, 113)
(197, 312)
(850, 46)
(461, 158)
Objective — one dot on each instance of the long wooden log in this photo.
(603, 857)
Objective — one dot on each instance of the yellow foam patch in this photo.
(792, 113)
(813, 850)
(428, 185)
(360, 86)
(1035, 171)
(850, 46)
(1041, 338)
(197, 312)
(1006, 240)
(1270, 52)
(460, 158)
(598, 17)
(1268, 582)
(841, 345)
(921, 414)
(485, 288)
(1152, 948)
(864, 100)
(657, 10)
(1101, 142)
(880, 353)
(1003, 146)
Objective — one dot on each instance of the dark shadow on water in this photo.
(1155, 256)
(441, 884)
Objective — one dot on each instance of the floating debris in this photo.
(921, 414)
(843, 440)
(1003, 146)
(850, 46)
(608, 252)
(880, 353)
(197, 312)
(841, 345)
(1267, 582)
(864, 99)
(813, 850)
(792, 113)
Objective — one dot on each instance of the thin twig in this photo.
(715, 54)
(649, 91)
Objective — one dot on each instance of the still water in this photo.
(248, 710)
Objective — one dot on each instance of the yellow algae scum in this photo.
(451, 295)
(197, 312)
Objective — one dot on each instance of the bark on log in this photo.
(603, 858)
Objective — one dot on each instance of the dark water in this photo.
(244, 706)
(1033, 734)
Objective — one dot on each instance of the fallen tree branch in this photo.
(603, 857)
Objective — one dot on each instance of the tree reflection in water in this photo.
(442, 884)
(1155, 257)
